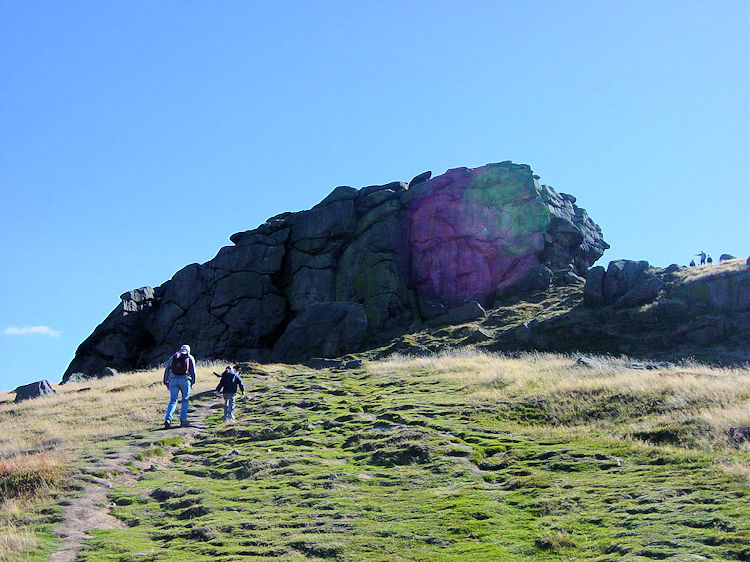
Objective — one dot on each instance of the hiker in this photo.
(179, 376)
(709, 261)
(692, 263)
(702, 255)
(227, 387)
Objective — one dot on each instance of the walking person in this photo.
(179, 376)
(227, 387)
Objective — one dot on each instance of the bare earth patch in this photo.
(91, 509)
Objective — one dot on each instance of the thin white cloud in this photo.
(32, 330)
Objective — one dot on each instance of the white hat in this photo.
(185, 349)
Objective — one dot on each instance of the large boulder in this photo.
(460, 315)
(392, 256)
(33, 390)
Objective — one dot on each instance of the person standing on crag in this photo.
(179, 376)
(702, 255)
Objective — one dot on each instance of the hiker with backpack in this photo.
(179, 376)
(227, 387)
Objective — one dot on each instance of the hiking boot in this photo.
(167, 424)
(184, 423)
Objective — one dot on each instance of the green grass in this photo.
(149, 453)
(175, 441)
(408, 462)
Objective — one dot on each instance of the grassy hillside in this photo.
(460, 456)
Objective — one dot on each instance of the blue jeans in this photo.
(177, 385)
(228, 407)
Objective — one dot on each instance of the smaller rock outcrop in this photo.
(624, 284)
(33, 390)
(633, 308)
(726, 257)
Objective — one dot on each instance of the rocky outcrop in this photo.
(360, 265)
(624, 284)
(633, 308)
(120, 339)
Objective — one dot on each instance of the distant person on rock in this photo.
(692, 263)
(702, 255)
(709, 261)
(179, 376)
(227, 387)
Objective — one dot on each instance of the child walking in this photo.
(228, 384)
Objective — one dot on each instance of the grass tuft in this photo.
(175, 441)
(149, 453)
(15, 539)
(26, 476)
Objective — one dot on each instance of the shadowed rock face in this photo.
(398, 255)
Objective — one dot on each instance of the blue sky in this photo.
(135, 137)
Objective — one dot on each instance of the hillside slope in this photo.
(459, 456)
(668, 314)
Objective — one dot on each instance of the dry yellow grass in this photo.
(14, 539)
(55, 431)
(690, 274)
(83, 413)
(26, 475)
(718, 397)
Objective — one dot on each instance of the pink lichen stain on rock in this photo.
(477, 231)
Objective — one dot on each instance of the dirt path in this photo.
(90, 510)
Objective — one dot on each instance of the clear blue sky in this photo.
(135, 137)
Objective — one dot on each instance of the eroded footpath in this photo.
(121, 466)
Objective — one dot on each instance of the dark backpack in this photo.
(180, 364)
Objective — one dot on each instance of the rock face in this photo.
(360, 265)
(324, 330)
(33, 390)
(624, 284)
